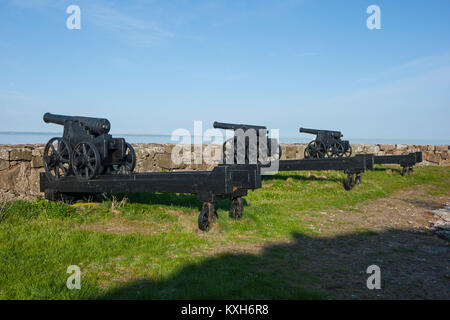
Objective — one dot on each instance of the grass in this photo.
(148, 246)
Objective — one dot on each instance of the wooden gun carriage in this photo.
(406, 161)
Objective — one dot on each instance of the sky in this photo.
(151, 67)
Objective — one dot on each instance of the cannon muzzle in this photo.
(96, 126)
(335, 134)
(233, 126)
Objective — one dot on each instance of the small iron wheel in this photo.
(86, 161)
(57, 158)
(237, 208)
(348, 152)
(349, 182)
(335, 150)
(128, 162)
(206, 216)
(404, 171)
(315, 150)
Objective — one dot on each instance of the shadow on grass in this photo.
(190, 200)
(171, 199)
(312, 177)
(185, 200)
(309, 267)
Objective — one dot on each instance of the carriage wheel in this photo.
(128, 162)
(227, 150)
(57, 158)
(348, 152)
(277, 155)
(404, 171)
(207, 215)
(335, 150)
(86, 161)
(315, 150)
(237, 208)
(349, 182)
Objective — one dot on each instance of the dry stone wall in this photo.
(20, 165)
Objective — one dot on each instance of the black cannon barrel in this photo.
(234, 126)
(336, 134)
(96, 126)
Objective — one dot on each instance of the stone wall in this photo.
(20, 165)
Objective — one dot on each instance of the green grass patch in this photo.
(147, 246)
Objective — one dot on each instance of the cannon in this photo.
(328, 144)
(223, 182)
(352, 166)
(88, 162)
(250, 144)
(86, 149)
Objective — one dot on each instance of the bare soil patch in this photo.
(390, 233)
(121, 226)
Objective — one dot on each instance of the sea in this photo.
(43, 137)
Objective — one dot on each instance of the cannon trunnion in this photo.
(86, 149)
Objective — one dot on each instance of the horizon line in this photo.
(444, 141)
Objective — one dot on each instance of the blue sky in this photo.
(154, 66)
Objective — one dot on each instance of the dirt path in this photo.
(389, 232)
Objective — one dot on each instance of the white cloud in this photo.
(125, 26)
(305, 54)
(409, 68)
(115, 21)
